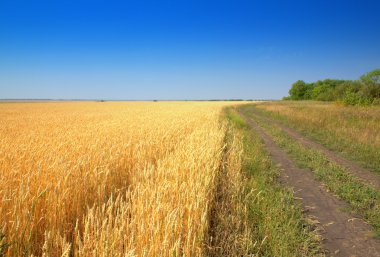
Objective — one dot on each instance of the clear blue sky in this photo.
(181, 49)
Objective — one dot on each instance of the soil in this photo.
(343, 233)
(358, 171)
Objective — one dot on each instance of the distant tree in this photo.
(325, 90)
(371, 81)
(340, 91)
(372, 77)
(352, 98)
(298, 90)
(309, 91)
(365, 91)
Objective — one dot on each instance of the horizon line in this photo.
(124, 100)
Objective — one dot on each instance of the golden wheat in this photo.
(111, 179)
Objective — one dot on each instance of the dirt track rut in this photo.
(358, 171)
(343, 233)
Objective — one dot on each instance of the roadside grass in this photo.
(277, 224)
(229, 232)
(354, 132)
(363, 199)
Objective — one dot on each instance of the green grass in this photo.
(363, 199)
(278, 225)
(334, 123)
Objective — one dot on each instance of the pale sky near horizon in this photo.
(181, 49)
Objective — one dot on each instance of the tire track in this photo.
(356, 170)
(343, 233)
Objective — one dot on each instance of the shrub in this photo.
(353, 98)
(376, 101)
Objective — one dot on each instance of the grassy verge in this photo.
(276, 221)
(363, 199)
(343, 128)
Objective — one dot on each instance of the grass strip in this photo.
(363, 199)
(277, 223)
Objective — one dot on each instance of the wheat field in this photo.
(118, 179)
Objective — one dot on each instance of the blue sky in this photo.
(181, 49)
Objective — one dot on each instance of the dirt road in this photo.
(360, 172)
(343, 233)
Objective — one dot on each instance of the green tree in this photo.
(298, 90)
(371, 84)
(372, 77)
(365, 91)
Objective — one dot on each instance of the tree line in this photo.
(363, 92)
